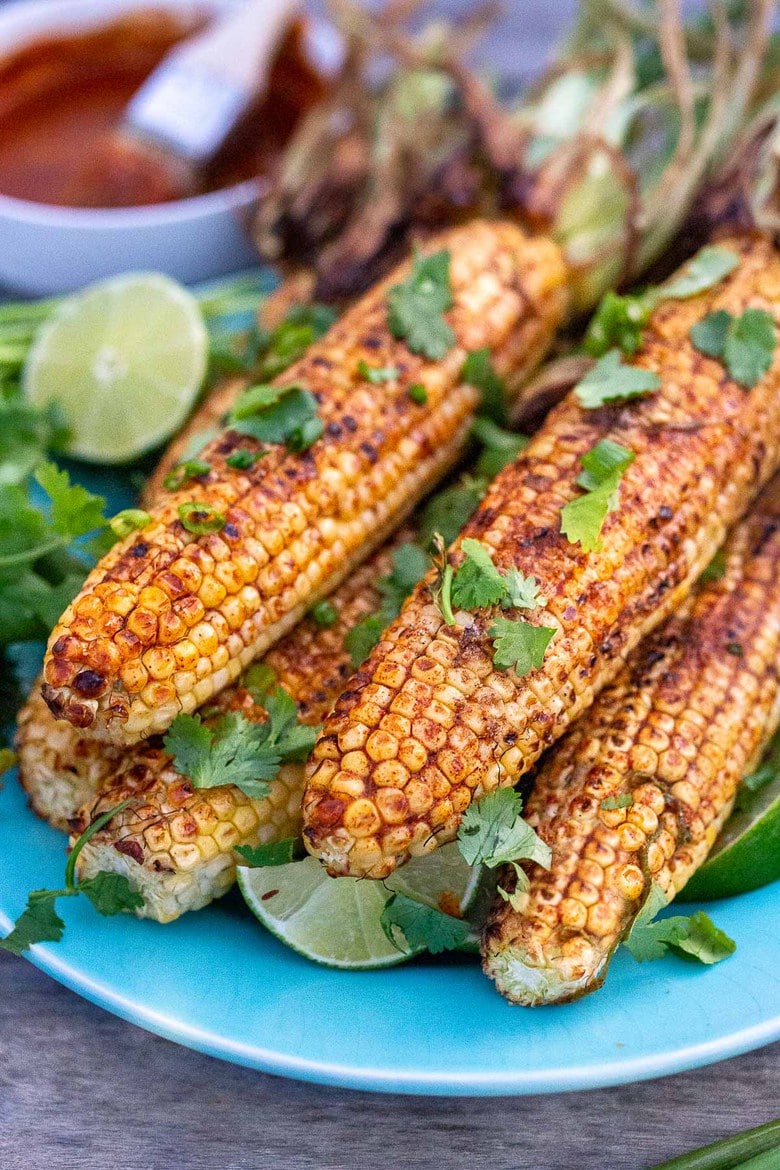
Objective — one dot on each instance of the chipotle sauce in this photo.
(62, 99)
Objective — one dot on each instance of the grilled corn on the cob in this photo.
(429, 722)
(168, 618)
(174, 842)
(672, 737)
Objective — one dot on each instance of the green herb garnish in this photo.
(183, 472)
(611, 380)
(519, 645)
(693, 936)
(416, 307)
(619, 320)
(200, 519)
(716, 569)
(493, 832)
(500, 447)
(109, 893)
(410, 565)
(376, 375)
(244, 459)
(602, 469)
(278, 414)
(274, 853)
(478, 371)
(622, 800)
(745, 344)
(324, 614)
(418, 394)
(236, 750)
(410, 925)
(127, 521)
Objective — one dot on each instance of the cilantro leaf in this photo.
(694, 935)
(519, 645)
(750, 347)
(602, 468)
(622, 800)
(619, 320)
(234, 750)
(110, 893)
(707, 268)
(449, 510)
(478, 371)
(521, 592)
(74, 510)
(493, 832)
(272, 853)
(709, 334)
(289, 341)
(188, 741)
(25, 435)
(416, 307)
(612, 381)
(422, 926)
(364, 636)
(477, 582)
(38, 922)
(278, 414)
(376, 375)
(716, 569)
(745, 344)
(410, 565)
(501, 447)
(617, 324)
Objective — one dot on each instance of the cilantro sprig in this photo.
(410, 564)
(477, 583)
(278, 414)
(611, 380)
(109, 893)
(234, 750)
(478, 371)
(691, 936)
(519, 646)
(273, 853)
(744, 344)
(493, 832)
(602, 470)
(416, 307)
(619, 320)
(413, 926)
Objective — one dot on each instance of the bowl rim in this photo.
(29, 17)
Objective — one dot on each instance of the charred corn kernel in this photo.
(703, 447)
(175, 843)
(678, 667)
(379, 453)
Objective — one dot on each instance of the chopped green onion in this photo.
(200, 518)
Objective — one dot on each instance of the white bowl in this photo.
(46, 249)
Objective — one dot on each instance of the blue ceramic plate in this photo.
(216, 982)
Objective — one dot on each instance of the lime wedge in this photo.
(124, 360)
(747, 853)
(336, 921)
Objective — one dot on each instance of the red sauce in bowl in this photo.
(63, 97)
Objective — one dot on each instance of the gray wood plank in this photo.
(81, 1088)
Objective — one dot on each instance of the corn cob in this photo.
(167, 619)
(429, 723)
(175, 843)
(673, 736)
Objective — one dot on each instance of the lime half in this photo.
(124, 360)
(747, 853)
(336, 921)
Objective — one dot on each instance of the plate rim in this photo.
(363, 1078)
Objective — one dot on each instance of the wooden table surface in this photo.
(79, 1088)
